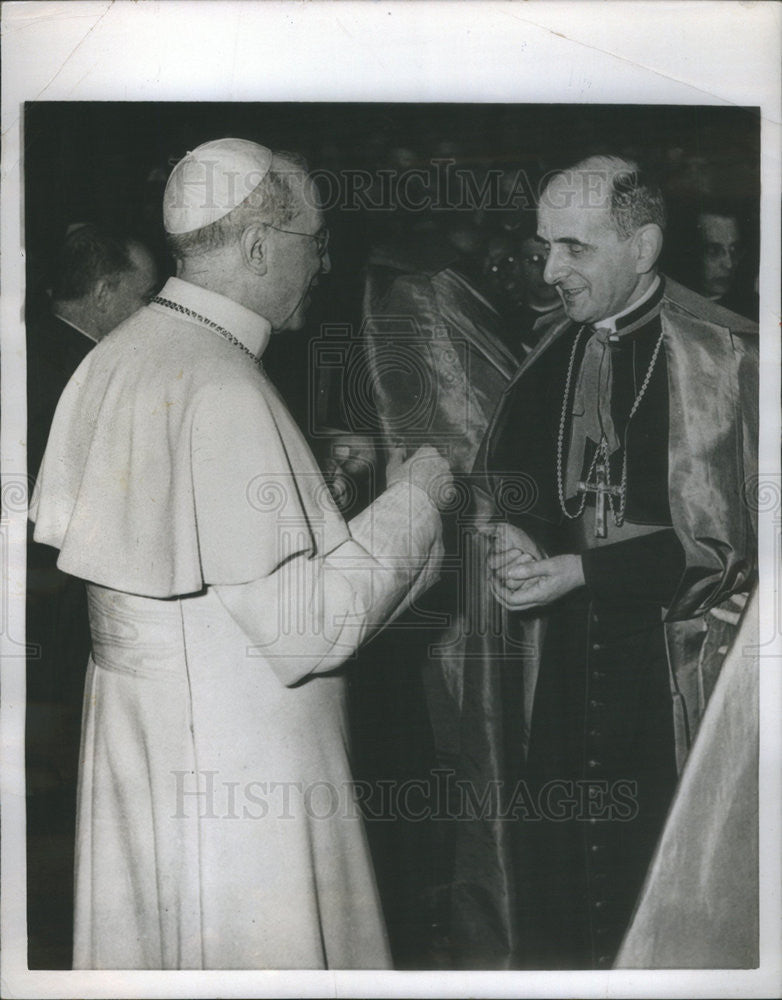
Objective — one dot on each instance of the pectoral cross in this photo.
(602, 489)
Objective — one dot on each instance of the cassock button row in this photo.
(598, 675)
(594, 848)
(594, 734)
(593, 703)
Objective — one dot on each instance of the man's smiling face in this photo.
(592, 266)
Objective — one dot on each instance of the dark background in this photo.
(108, 163)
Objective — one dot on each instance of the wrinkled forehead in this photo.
(575, 204)
(578, 190)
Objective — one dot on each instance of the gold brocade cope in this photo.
(713, 392)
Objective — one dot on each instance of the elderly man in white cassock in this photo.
(217, 825)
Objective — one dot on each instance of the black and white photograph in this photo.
(391, 504)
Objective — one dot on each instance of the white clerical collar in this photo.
(610, 323)
(252, 330)
(78, 329)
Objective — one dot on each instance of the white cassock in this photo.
(217, 827)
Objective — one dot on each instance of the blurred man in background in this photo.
(99, 278)
(513, 267)
(721, 250)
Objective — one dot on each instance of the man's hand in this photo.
(427, 470)
(349, 468)
(510, 542)
(524, 582)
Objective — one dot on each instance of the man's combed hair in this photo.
(88, 254)
(725, 208)
(274, 200)
(636, 200)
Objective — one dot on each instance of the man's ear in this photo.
(253, 244)
(101, 295)
(648, 242)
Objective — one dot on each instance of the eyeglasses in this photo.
(321, 237)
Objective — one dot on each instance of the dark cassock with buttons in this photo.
(57, 627)
(58, 641)
(639, 439)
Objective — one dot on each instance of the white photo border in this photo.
(573, 51)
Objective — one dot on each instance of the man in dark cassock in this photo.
(635, 419)
(721, 250)
(99, 279)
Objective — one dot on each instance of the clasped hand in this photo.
(522, 577)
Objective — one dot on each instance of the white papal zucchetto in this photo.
(212, 180)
